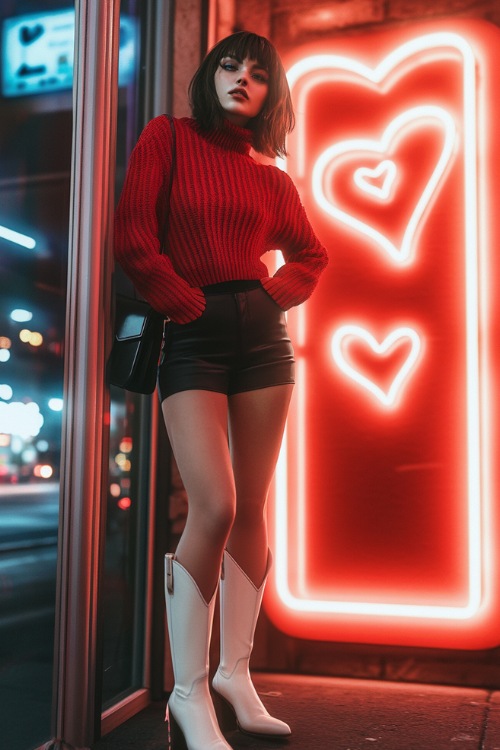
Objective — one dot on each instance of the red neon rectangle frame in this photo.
(472, 624)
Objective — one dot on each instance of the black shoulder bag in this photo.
(139, 329)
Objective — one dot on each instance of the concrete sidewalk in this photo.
(342, 714)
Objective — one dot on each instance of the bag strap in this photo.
(171, 182)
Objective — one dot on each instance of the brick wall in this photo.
(292, 22)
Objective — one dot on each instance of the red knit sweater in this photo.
(226, 210)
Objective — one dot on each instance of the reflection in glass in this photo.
(123, 585)
(35, 164)
(38, 48)
(124, 566)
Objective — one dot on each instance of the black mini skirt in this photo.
(239, 343)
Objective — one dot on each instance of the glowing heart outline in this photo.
(385, 168)
(412, 116)
(404, 332)
(327, 66)
(292, 593)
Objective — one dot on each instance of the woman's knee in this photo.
(216, 514)
(222, 517)
(250, 511)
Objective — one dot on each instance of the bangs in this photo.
(247, 45)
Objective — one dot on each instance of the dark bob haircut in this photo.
(276, 118)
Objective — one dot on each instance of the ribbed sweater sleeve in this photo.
(305, 257)
(136, 242)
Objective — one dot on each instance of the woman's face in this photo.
(241, 87)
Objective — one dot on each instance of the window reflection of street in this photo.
(28, 557)
(36, 116)
(28, 548)
(35, 171)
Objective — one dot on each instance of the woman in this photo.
(228, 371)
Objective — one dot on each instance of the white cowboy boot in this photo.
(240, 606)
(190, 711)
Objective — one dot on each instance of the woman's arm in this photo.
(136, 240)
(305, 256)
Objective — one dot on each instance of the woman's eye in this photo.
(261, 78)
(229, 66)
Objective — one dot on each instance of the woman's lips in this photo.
(240, 93)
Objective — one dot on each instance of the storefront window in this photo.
(36, 68)
(123, 600)
(35, 161)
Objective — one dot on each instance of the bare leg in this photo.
(196, 423)
(256, 420)
(256, 423)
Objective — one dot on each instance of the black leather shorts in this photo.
(239, 343)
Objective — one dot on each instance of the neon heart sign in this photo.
(400, 335)
(417, 117)
(379, 181)
(395, 155)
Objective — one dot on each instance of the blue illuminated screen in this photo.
(37, 52)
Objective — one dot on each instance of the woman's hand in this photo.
(188, 313)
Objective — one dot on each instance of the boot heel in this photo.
(225, 713)
(176, 739)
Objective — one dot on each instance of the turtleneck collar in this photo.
(229, 136)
